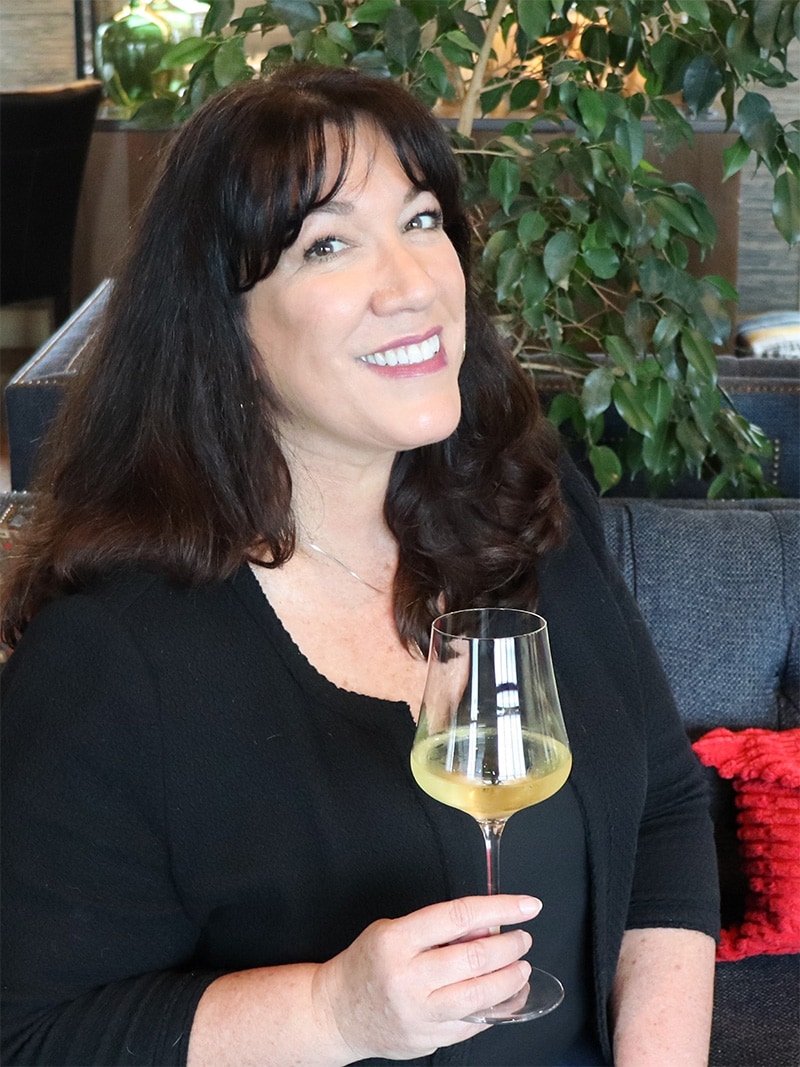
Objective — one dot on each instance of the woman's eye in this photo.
(426, 220)
(325, 248)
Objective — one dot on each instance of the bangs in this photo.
(289, 173)
(289, 178)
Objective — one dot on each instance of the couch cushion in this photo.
(718, 583)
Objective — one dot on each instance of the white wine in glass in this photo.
(491, 740)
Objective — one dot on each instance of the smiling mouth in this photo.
(406, 356)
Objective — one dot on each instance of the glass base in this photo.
(541, 995)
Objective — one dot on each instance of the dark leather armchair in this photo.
(44, 144)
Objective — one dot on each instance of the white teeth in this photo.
(405, 356)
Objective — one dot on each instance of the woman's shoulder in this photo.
(129, 590)
(129, 612)
(582, 502)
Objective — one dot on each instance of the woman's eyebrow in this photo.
(346, 207)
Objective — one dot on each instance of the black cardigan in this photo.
(185, 795)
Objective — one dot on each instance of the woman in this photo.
(296, 441)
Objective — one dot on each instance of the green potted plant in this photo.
(584, 243)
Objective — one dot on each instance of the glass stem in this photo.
(492, 829)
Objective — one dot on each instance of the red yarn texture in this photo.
(764, 766)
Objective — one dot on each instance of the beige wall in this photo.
(37, 43)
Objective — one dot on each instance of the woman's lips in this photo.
(409, 359)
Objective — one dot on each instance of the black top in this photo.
(185, 795)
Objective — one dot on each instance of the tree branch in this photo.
(470, 104)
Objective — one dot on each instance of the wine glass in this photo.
(491, 740)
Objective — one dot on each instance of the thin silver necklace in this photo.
(333, 559)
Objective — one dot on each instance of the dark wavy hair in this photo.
(165, 453)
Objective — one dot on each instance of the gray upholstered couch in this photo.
(719, 586)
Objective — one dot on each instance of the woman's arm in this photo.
(663, 998)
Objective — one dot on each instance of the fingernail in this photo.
(530, 905)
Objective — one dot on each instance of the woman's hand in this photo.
(401, 990)
(404, 987)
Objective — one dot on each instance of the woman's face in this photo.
(362, 323)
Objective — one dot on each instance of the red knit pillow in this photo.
(765, 768)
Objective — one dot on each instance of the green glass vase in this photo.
(128, 50)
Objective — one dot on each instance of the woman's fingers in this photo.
(464, 960)
(463, 999)
(453, 920)
(405, 985)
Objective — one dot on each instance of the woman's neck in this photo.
(341, 508)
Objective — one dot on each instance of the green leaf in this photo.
(692, 441)
(341, 35)
(723, 287)
(734, 158)
(721, 487)
(530, 228)
(704, 406)
(606, 466)
(374, 11)
(676, 215)
(298, 15)
(535, 284)
(669, 62)
(328, 51)
(765, 22)
(534, 17)
(453, 52)
(695, 9)
(509, 273)
(504, 181)
(602, 262)
(220, 13)
(786, 207)
(629, 402)
(436, 73)
(658, 450)
(701, 83)
(639, 325)
(699, 353)
(373, 61)
(523, 94)
(302, 45)
(492, 97)
(629, 135)
(157, 114)
(594, 112)
(470, 24)
(658, 400)
(230, 64)
(190, 50)
(459, 38)
(560, 254)
(564, 408)
(709, 313)
(402, 36)
(673, 127)
(594, 43)
(494, 247)
(621, 353)
(666, 331)
(757, 123)
(596, 392)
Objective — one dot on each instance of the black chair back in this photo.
(44, 145)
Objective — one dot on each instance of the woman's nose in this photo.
(402, 281)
